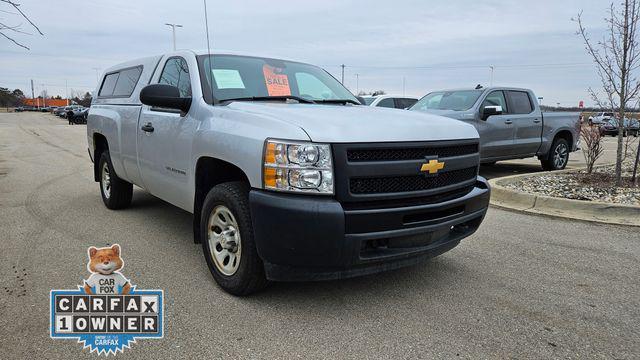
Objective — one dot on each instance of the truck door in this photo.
(496, 131)
(527, 122)
(165, 138)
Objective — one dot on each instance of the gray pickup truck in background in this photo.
(287, 175)
(510, 123)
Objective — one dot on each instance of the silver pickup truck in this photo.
(510, 123)
(287, 175)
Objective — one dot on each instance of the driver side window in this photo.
(495, 98)
(176, 73)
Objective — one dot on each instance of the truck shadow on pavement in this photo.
(507, 169)
(436, 274)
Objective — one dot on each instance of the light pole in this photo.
(492, 68)
(96, 70)
(44, 96)
(357, 84)
(173, 29)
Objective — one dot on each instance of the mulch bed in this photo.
(599, 186)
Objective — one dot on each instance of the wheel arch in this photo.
(209, 172)
(564, 134)
(100, 144)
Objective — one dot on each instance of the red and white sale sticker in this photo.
(277, 82)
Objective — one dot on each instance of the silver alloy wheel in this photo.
(560, 156)
(224, 240)
(106, 181)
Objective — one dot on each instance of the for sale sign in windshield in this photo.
(107, 313)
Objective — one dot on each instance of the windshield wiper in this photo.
(338, 101)
(267, 98)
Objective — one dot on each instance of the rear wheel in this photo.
(228, 244)
(558, 156)
(116, 193)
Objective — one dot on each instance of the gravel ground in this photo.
(581, 186)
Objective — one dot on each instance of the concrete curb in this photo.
(594, 211)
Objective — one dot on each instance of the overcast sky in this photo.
(431, 44)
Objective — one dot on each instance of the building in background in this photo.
(39, 102)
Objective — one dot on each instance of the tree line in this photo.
(16, 97)
(10, 98)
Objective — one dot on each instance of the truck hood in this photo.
(342, 124)
(458, 115)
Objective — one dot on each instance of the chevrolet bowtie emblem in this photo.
(432, 166)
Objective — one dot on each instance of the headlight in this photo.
(298, 167)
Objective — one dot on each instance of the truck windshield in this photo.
(448, 100)
(247, 77)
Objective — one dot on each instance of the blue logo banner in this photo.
(106, 324)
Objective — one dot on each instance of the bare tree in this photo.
(634, 177)
(8, 31)
(592, 149)
(617, 57)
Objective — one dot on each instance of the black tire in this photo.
(116, 193)
(249, 276)
(550, 163)
(492, 163)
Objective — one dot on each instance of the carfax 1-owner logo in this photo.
(107, 313)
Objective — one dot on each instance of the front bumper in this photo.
(303, 237)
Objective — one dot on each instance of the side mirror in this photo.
(361, 99)
(166, 96)
(490, 111)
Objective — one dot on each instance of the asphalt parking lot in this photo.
(522, 287)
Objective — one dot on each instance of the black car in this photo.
(631, 127)
(78, 115)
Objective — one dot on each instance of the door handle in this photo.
(147, 127)
(508, 122)
(537, 121)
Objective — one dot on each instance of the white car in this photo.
(390, 101)
(600, 118)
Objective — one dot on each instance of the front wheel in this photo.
(228, 243)
(558, 156)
